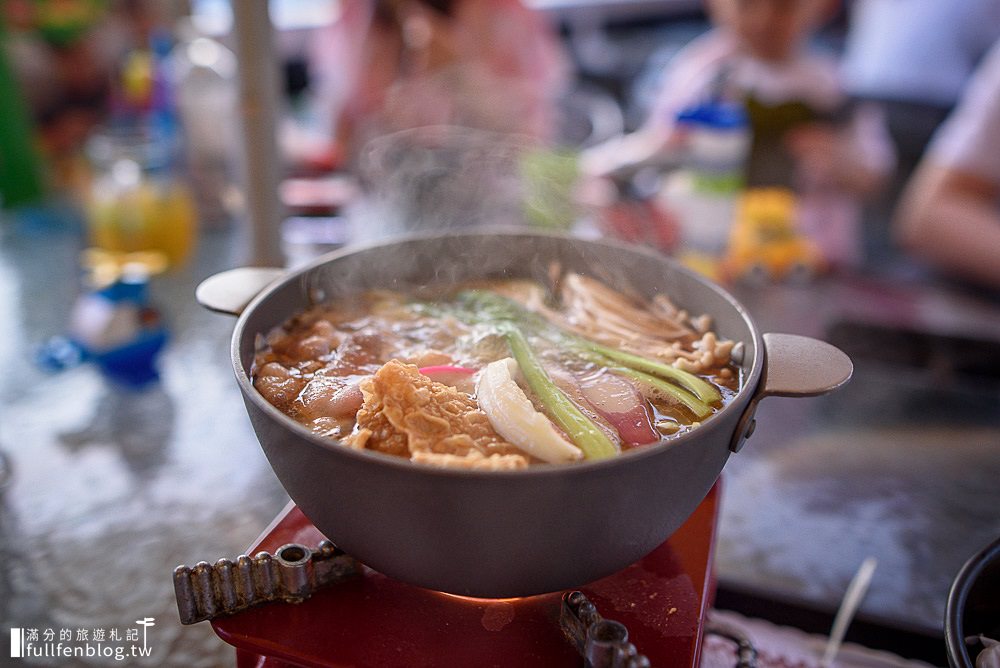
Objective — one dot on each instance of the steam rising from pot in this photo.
(442, 178)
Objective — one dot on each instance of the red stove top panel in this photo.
(374, 621)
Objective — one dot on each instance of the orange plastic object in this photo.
(764, 242)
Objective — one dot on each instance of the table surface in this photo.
(901, 464)
(111, 489)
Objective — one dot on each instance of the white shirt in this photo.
(969, 140)
(917, 50)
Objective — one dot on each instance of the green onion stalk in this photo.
(696, 394)
(586, 435)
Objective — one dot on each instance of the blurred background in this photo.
(835, 164)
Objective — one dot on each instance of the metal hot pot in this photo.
(504, 534)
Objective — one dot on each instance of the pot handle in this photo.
(800, 366)
(229, 292)
(794, 366)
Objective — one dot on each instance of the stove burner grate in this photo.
(295, 572)
(603, 643)
(292, 574)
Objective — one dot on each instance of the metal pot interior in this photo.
(418, 261)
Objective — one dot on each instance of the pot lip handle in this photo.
(229, 292)
(794, 366)
(801, 366)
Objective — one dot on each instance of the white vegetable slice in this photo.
(515, 418)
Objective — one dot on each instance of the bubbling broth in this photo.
(498, 375)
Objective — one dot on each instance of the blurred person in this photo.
(806, 135)
(914, 57)
(950, 212)
(388, 65)
(757, 51)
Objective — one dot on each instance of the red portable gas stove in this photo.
(372, 620)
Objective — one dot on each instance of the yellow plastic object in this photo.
(137, 78)
(764, 242)
(143, 216)
(703, 263)
(105, 268)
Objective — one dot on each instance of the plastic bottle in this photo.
(702, 195)
(136, 202)
(203, 73)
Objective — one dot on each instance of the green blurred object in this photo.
(549, 177)
(20, 167)
(62, 22)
